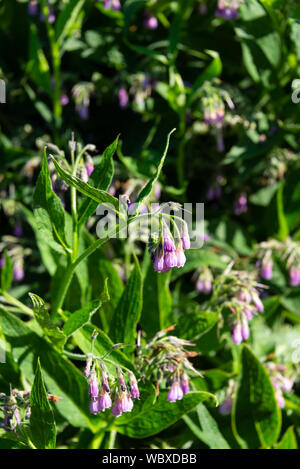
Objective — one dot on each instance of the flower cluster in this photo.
(81, 94)
(16, 408)
(140, 89)
(165, 358)
(239, 292)
(166, 250)
(213, 105)
(106, 392)
(241, 204)
(288, 252)
(228, 9)
(281, 379)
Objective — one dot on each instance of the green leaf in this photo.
(128, 311)
(6, 273)
(42, 425)
(99, 196)
(78, 319)
(264, 196)
(67, 18)
(145, 421)
(52, 332)
(101, 179)
(157, 300)
(208, 432)
(38, 66)
(193, 326)
(256, 416)
(148, 188)
(46, 198)
(288, 440)
(213, 70)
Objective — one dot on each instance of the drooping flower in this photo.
(241, 204)
(236, 334)
(18, 270)
(184, 383)
(150, 21)
(294, 275)
(89, 165)
(175, 392)
(32, 7)
(93, 385)
(123, 98)
(104, 401)
(93, 407)
(135, 393)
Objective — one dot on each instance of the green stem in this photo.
(181, 150)
(56, 66)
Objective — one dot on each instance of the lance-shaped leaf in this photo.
(101, 179)
(78, 319)
(46, 198)
(42, 425)
(52, 332)
(98, 195)
(6, 273)
(128, 311)
(208, 432)
(288, 441)
(148, 188)
(67, 18)
(256, 416)
(145, 421)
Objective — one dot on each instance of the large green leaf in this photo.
(42, 425)
(192, 326)
(256, 415)
(45, 197)
(101, 179)
(98, 195)
(128, 311)
(146, 421)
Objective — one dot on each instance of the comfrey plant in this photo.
(165, 360)
(238, 291)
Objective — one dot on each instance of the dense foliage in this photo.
(122, 109)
